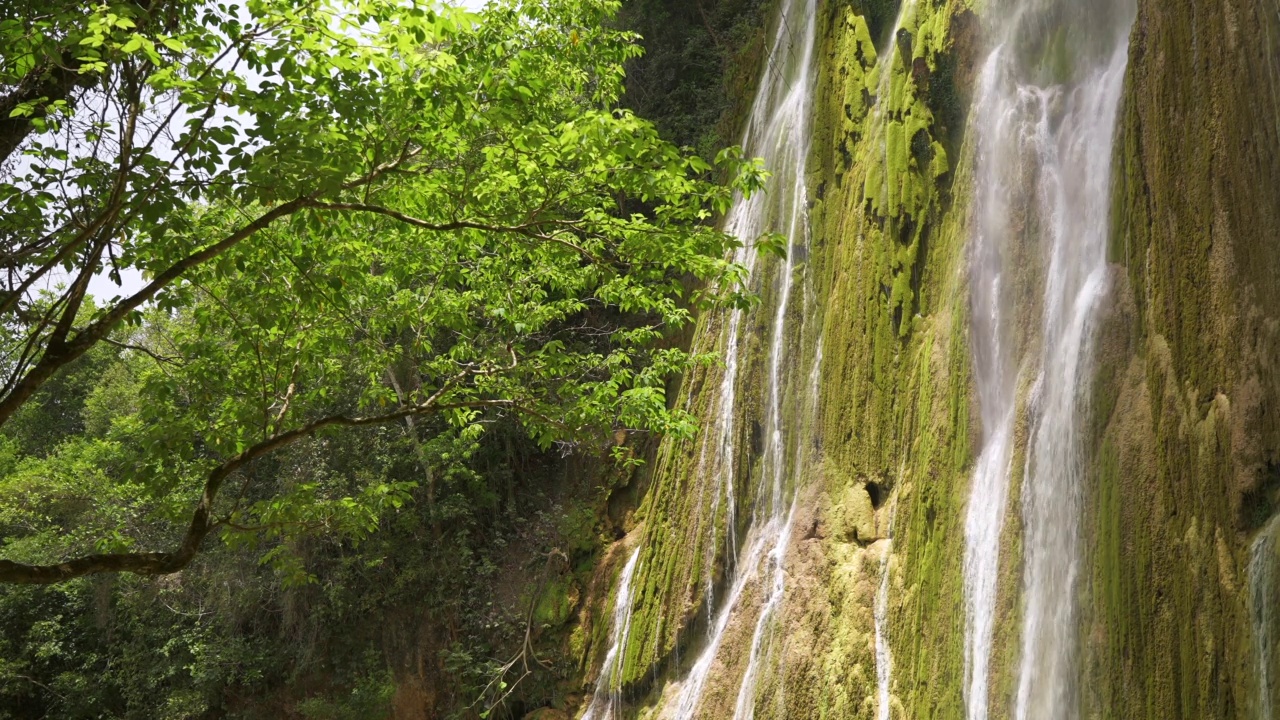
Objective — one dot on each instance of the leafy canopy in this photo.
(344, 214)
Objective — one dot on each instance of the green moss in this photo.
(1175, 441)
(555, 605)
(896, 389)
(1177, 445)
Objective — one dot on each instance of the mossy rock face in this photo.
(1182, 442)
(556, 603)
(896, 388)
(853, 516)
(893, 422)
(1181, 480)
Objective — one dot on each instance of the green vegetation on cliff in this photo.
(1188, 439)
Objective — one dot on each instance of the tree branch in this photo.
(202, 520)
(60, 354)
(146, 351)
(531, 229)
(57, 356)
(50, 81)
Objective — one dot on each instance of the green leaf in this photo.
(774, 244)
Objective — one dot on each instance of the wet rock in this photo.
(853, 516)
(920, 73)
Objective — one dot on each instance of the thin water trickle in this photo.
(778, 131)
(1264, 591)
(686, 703)
(744, 706)
(884, 657)
(1045, 118)
(606, 702)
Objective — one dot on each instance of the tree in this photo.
(346, 215)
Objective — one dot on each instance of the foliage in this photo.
(380, 267)
(306, 620)
(345, 215)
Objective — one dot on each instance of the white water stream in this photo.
(606, 702)
(995, 377)
(778, 131)
(744, 707)
(1076, 172)
(884, 657)
(1046, 114)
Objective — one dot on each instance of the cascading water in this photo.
(1076, 166)
(607, 700)
(884, 657)
(744, 221)
(744, 708)
(686, 703)
(1048, 101)
(995, 379)
(778, 131)
(1264, 588)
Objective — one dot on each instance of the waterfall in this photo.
(1264, 586)
(778, 131)
(1076, 163)
(607, 700)
(686, 703)
(744, 707)
(746, 220)
(995, 380)
(1045, 119)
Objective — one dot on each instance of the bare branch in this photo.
(146, 351)
(533, 229)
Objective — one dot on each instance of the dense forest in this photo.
(606, 359)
